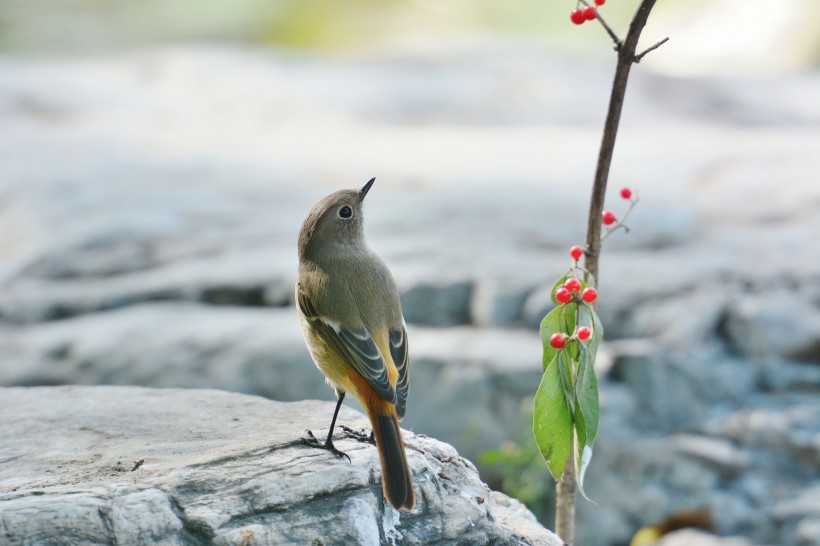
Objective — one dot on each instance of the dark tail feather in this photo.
(396, 482)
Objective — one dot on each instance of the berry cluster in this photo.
(580, 15)
(570, 292)
(559, 340)
(610, 219)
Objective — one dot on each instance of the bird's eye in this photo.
(345, 212)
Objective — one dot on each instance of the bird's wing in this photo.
(398, 350)
(355, 345)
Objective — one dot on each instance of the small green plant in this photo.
(522, 469)
(566, 411)
(565, 418)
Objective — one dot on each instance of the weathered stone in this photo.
(692, 537)
(715, 452)
(437, 304)
(127, 465)
(807, 532)
(499, 303)
(261, 351)
(774, 325)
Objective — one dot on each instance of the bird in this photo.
(351, 318)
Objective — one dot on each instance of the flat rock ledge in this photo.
(131, 465)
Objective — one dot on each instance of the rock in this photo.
(647, 466)
(500, 302)
(715, 452)
(807, 532)
(671, 388)
(805, 503)
(249, 280)
(261, 351)
(775, 324)
(491, 371)
(764, 425)
(251, 350)
(695, 537)
(446, 304)
(127, 465)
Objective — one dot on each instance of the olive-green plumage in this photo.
(351, 318)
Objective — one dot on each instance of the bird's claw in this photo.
(359, 436)
(312, 441)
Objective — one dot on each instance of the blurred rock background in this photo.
(157, 159)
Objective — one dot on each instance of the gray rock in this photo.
(125, 465)
(805, 503)
(695, 537)
(261, 351)
(491, 371)
(807, 532)
(775, 324)
(256, 351)
(248, 280)
(716, 452)
(435, 304)
(499, 302)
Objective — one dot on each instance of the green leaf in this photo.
(587, 414)
(588, 317)
(552, 420)
(586, 405)
(565, 364)
(582, 458)
(555, 286)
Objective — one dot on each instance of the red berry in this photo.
(589, 294)
(609, 217)
(572, 284)
(626, 193)
(577, 16)
(590, 13)
(600, 2)
(576, 252)
(558, 340)
(562, 295)
(583, 333)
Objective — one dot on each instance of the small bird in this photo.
(352, 322)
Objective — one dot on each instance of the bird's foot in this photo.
(359, 436)
(327, 445)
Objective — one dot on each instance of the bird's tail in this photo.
(396, 482)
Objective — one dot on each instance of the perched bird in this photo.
(352, 321)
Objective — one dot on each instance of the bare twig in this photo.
(626, 56)
(622, 222)
(649, 49)
(607, 28)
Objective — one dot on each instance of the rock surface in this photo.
(128, 465)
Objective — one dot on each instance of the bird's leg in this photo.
(312, 441)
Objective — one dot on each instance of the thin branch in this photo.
(622, 222)
(626, 56)
(607, 28)
(649, 49)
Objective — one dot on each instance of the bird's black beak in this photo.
(365, 189)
